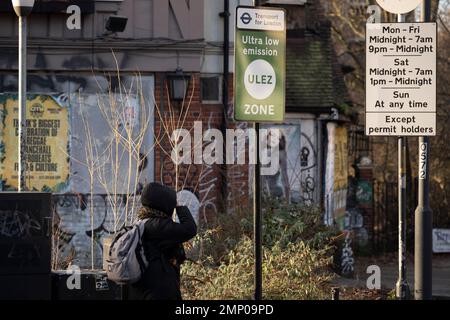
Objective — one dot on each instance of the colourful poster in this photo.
(47, 143)
(340, 185)
(340, 160)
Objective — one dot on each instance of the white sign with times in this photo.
(401, 79)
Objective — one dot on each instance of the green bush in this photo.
(297, 255)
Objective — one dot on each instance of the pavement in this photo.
(389, 273)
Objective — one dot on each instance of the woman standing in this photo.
(163, 244)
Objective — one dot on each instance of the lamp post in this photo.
(22, 8)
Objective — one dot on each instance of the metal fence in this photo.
(360, 145)
(385, 217)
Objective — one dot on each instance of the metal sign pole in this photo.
(402, 288)
(389, 97)
(257, 214)
(259, 92)
(21, 159)
(22, 8)
(257, 220)
(423, 216)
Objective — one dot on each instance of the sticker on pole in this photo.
(260, 65)
(401, 79)
(399, 6)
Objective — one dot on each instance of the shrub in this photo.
(297, 254)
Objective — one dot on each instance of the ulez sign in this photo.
(260, 65)
(401, 79)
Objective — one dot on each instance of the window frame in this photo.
(219, 84)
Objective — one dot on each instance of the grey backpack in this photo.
(126, 261)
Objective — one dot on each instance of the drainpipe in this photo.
(225, 87)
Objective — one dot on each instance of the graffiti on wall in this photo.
(188, 179)
(190, 200)
(197, 184)
(81, 218)
(364, 192)
(17, 224)
(82, 222)
(47, 142)
(19, 231)
(308, 163)
(295, 180)
(207, 183)
(239, 177)
(24, 231)
(347, 260)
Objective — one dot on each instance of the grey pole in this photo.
(257, 220)
(423, 216)
(423, 228)
(22, 102)
(402, 288)
(257, 215)
(22, 8)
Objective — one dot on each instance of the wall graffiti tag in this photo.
(352, 225)
(24, 233)
(347, 259)
(304, 157)
(364, 192)
(80, 219)
(17, 224)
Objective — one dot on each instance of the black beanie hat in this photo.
(159, 197)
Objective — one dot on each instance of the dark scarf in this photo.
(148, 213)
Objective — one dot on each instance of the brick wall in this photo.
(215, 185)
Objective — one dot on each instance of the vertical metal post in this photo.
(335, 293)
(423, 216)
(402, 288)
(225, 86)
(257, 223)
(423, 228)
(21, 159)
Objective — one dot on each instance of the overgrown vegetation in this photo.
(297, 256)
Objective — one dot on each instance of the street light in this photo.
(179, 83)
(22, 8)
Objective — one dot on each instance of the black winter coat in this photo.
(163, 244)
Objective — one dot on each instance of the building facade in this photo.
(103, 104)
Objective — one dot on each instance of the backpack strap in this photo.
(158, 256)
